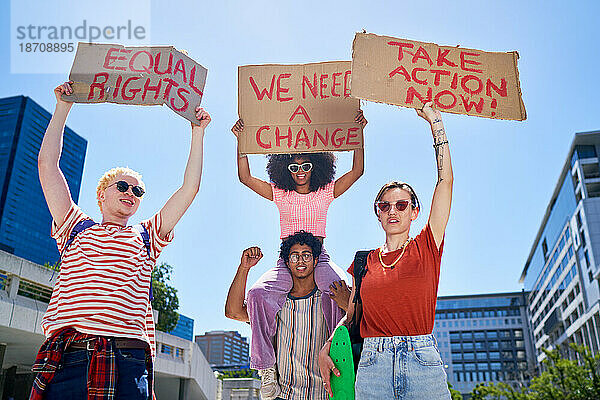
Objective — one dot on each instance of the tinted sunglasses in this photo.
(306, 166)
(123, 186)
(384, 206)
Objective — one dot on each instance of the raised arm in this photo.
(243, 166)
(344, 182)
(235, 307)
(179, 202)
(54, 184)
(442, 196)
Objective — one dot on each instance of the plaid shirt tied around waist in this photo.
(102, 374)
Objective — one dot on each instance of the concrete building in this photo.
(238, 389)
(484, 338)
(181, 370)
(24, 217)
(224, 348)
(561, 272)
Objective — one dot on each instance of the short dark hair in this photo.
(322, 173)
(414, 200)
(301, 237)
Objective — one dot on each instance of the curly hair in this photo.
(300, 237)
(322, 173)
(414, 200)
(110, 175)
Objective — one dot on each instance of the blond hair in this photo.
(110, 175)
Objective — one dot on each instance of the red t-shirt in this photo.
(400, 301)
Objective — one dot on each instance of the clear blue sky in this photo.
(504, 171)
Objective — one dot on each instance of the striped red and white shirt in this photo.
(306, 212)
(104, 280)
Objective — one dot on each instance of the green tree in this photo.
(454, 394)
(237, 373)
(165, 298)
(563, 378)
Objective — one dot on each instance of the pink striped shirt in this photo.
(104, 280)
(306, 212)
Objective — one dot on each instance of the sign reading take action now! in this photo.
(457, 80)
(137, 75)
(297, 108)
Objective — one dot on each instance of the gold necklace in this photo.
(392, 265)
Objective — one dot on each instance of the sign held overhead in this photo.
(457, 80)
(297, 108)
(137, 75)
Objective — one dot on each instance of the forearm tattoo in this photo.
(439, 140)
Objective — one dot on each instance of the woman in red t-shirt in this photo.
(400, 358)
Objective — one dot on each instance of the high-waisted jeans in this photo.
(267, 296)
(401, 367)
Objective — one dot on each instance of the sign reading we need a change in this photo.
(297, 108)
(457, 80)
(137, 75)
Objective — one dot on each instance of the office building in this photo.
(484, 338)
(224, 348)
(561, 272)
(184, 328)
(24, 217)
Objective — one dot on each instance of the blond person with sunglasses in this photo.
(302, 186)
(400, 359)
(99, 325)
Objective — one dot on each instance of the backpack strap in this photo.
(77, 229)
(360, 270)
(146, 238)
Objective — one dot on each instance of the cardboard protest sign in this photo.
(297, 108)
(457, 80)
(137, 75)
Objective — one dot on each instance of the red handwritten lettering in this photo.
(402, 71)
(323, 140)
(414, 76)
(260, 142)
(314, 89)
(192, 80)
(469, 105)
(117, 86)
(464, 61)
(438, 73)
(180, 67)
(302, 137)
(99, 85)
(262, 93)
(347, 83)
(281, 89)
(352, 135)
(168, 68)
(454, 83)
(400, 47)
(411, 93)
(144, 68)
(300, 111)
(468, 78)
(421, 53)
(441, 58)
(132, 92)
(438, 99)
(149, 88)
(278, 137)
(489, 85)
(170, 84)
(337, 142)
(323, 85)
(185, 104)
(333, 84)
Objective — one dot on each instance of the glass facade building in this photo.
(184, 328)
(224, 348)
(561, 272)
(484, 338)
(24, 217)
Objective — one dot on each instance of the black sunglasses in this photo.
(123, 186)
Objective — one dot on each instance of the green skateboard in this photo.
(341, 353)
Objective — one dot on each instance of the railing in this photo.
(34, 291)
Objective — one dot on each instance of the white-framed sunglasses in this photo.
(305, 166)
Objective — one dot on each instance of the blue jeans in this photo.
(401, 367)
(70, 380)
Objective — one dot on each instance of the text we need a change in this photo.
(298, 108)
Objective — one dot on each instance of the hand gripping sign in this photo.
(137, 75)
(297, 108)
(457, 80)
